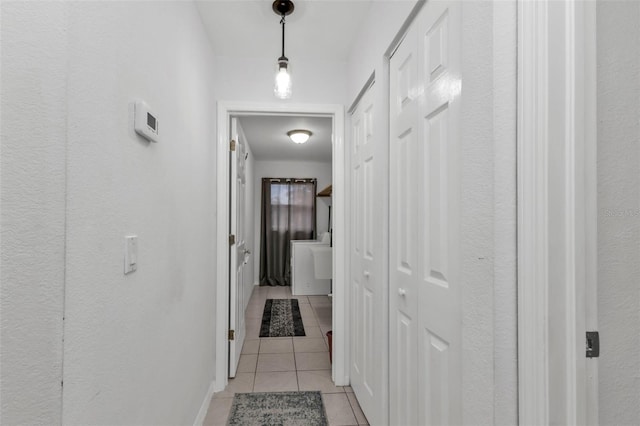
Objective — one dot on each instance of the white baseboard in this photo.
(205, 405)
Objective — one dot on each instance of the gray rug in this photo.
(278, 409)
(281, 318)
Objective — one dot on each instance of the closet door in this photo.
(403, 235)
(368, 372)
(425, 316)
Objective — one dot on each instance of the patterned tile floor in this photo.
(273, 364)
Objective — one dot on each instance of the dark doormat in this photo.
(281, 318)
(278, 408)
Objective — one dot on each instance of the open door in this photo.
(237, 248)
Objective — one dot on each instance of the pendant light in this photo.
(282, 88)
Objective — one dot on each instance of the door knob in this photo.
(402, 291)
(366, 274)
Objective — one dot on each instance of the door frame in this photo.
(576, 77)
(227, 109)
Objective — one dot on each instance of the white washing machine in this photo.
(303, 280)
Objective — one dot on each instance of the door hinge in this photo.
(232, 334)
(593, 344)
(232, 145)
(232, 239)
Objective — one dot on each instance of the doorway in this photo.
(226, 111)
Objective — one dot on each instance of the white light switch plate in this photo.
(130, 253)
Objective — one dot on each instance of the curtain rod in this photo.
(285, 180)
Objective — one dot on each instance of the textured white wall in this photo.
(139, 348)
(488, 212)
(618, 79)
(294, 169)
(33, 134)
(505, 324)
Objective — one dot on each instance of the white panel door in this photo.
(424, 223)
(368, 373)
(403, 233)
(237, 251)
(440, 335)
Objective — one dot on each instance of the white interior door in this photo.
(237, 248)
(425, 314)
(368, 363)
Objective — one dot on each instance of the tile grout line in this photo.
(293, 347)
(353, 410)
(255, 373)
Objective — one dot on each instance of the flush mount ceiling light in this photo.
(299, 136)
(282, 88)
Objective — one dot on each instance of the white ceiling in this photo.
(267, 136)
(318, 29)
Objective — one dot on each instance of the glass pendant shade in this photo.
(282, 88)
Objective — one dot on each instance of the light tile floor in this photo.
(274, 364)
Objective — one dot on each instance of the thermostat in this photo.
(146, 122)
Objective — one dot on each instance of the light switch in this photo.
(130, 253)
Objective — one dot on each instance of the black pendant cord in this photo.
(282, 22)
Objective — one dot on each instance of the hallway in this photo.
(278, 364)
(485, 210)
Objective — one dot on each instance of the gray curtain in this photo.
(288, 213)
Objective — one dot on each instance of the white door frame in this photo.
(339, 218)
(542, 80)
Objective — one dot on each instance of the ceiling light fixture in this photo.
(282, 88)
(299, 136)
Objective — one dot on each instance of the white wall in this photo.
(505, 339)
(251, 79)
(33, 135)
(618, 100)
(488, 202)
(139, 348)
(488, 208)
(292, 169)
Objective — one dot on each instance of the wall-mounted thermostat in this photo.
(146, 122)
